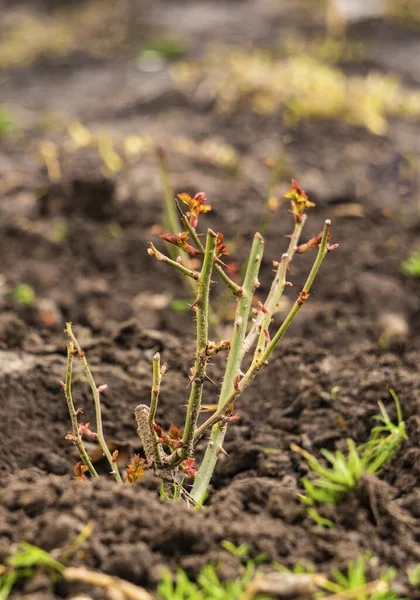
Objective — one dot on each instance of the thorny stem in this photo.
(259, 362)
(201, 306)
(77, 439)
(97, 402)
(234, 287)
(162, 257)
(232, 373)
(275, 292)
(267, 311)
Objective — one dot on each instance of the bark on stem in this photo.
(77, 439)
(232, 372)
(201, 306)
(97, 402)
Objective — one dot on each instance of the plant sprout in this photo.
(168, 452)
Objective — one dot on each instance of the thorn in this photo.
(207, 378)
(221, 450)
(102, 388)
(63, 385)
(196, 302)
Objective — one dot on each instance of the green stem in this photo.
(232, 373)
(259, 362)
(274, 293)
(152, 251)
(77, 439)
(97, 402)
(201, 306)
(235, 288)
(280, 283)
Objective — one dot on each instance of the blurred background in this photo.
(241, 95)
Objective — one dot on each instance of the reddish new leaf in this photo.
(79, 471)
(188, 467)
(197, 206)
(299, 201)
(135, 468)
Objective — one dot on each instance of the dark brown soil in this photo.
(358, 332)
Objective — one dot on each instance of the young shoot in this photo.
(253, 340)
(343, 473)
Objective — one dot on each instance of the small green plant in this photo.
(356, 585)
(208, 585)
(385, 439)
(27, 561)
(167, 452)
(414, 575)
(411, 266)
(300, 568)
(343, 473)
(353, 584)
(23, 294)
(340, 477)
(23, 564)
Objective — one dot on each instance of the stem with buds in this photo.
(97, 401)
(201, 358)
(260, 360)
(77, 439)
(277, 287)
(181, 444)
(234, 287)
(174, 263)
(232, 373)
